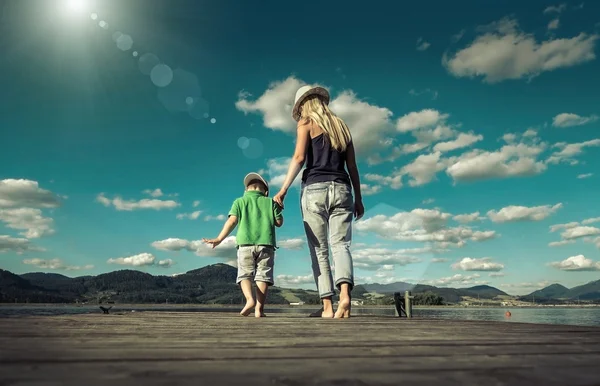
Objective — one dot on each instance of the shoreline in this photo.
(284, 306)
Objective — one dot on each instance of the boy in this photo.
(257, 216)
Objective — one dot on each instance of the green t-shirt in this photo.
(256, 216)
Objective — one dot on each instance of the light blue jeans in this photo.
(328, 208)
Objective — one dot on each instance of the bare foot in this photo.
(327, 313)
(259, 313)
(343, 310)
(247, 308)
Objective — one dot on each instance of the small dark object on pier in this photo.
(105, 310)
(403, 304)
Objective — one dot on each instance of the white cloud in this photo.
(439, 260)
(129, 205)
(428, 201)
(510, 161)
(555, 8)
(227, 249)
(483, 264)
(292, 280)
(422, 225)
(419, 120)
(570, 120)
(579, 231)
(577, 263)
(190, 216)
(369, 190)
(422, 45)
(368, 123)
(154, 193)
(296, 243)
(514, 213)
(166, 263)
(497, 274)
(139, 260)
(504, 52)
(424, 168)
(569, 151)
(455, 279)
(560, 243)
(467, 218)
(25, 193)
(17, 245)
(377, 258)
(394, 182)
(219, 217)
(276, 172)
(584, 175)
(574, 230)
(56, 264)
(196, 203)
(463, 140)
(30, 220)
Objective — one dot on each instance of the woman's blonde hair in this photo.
(314, 109)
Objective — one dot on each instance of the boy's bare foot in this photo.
(343, 310)
(247, 308)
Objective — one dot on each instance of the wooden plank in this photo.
(156, 348)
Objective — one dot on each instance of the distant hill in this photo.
(586, 292)
(452, 295)
(553, 291)
(215, 284)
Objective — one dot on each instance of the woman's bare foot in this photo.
(327, 313)
(247, 308)
(343, 310)
(259, 312)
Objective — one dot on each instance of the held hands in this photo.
(279, 197)
(212, 242)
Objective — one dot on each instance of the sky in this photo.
(127, 128)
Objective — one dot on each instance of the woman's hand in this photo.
(359, 209)
(279, 197)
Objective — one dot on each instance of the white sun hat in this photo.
(255, 176)
(303, 93)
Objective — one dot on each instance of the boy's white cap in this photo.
(255, 176)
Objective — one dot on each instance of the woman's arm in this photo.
(353, 171)
(302, 138)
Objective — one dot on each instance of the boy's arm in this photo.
(227, 228)
(229, 225)
(277, 211)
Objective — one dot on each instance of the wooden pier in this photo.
(201, 348)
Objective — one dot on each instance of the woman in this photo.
(324, 141)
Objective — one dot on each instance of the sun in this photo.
(76, 7)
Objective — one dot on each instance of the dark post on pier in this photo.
(403, 305)
(222, 348)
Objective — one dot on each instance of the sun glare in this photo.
(76, 6)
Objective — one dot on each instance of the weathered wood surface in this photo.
(167, 348)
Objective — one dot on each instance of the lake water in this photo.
(585, 316)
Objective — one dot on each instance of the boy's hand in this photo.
(359, 209)
(212, 242)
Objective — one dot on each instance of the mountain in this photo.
(452, 295)
(215, 284)
(589, 291)
(553, 291)
(486, 291)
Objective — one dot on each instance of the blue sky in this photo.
(127, 130)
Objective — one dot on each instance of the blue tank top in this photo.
(324, 163)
